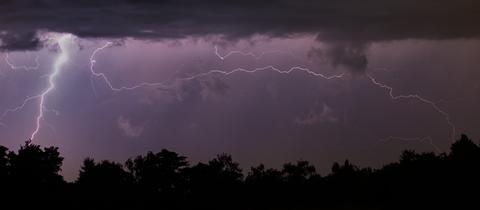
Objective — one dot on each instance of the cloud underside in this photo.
(348, 25)
(343, 20)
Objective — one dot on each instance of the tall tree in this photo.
(158, 173)
(33, 165)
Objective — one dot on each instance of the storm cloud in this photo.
(423, 47)
(332, 21)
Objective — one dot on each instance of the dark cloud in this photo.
(347, 54)
(346, 25)
(19, 41)
(361, 21)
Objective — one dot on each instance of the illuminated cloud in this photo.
(128, 129)
(326, 115)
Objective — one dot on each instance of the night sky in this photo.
(267, 81)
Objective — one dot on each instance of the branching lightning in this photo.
(24, 67)
(20, 107)
(61, 59)
(92, 64)
(374, 81)
(204, 74)
(277, 70)
(421, 99)
(251, 54)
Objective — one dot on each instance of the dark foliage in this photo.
(165, 180)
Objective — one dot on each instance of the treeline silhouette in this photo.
(29, 178)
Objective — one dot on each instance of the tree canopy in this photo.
(167, 180)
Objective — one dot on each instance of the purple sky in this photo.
(257, 117)
(262, 117)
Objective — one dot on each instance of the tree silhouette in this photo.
(103, 185)
(261, 176)
(103, 176)
(158, 177)
(3, 166)
(158, 173)
(464, 150)
(226, 169)
(32, 171)
(35, 166)
(220, 180)
(266, 186)
(298, 173)
(464, 171)
(165, 180)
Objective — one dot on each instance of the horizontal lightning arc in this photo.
(251, 54)
(24, 67)
(63, 57)
(157, 84)
(419, 98)
(381, 85)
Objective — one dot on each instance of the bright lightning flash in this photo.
(205, 74)
(63, 57)
(62, 42)
(390, 90)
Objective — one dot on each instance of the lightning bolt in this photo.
(277, 70)
(60, 60)
(20, 107)
(107, 80)
(63, 57)
(251, 54)
(373, 80)
(92, 64)
(204, 74)
(24, 67)
(417, 97)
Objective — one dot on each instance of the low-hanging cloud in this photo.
(346, 24)
(351, 55)
(365, 20)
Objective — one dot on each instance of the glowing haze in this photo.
(320, 81)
